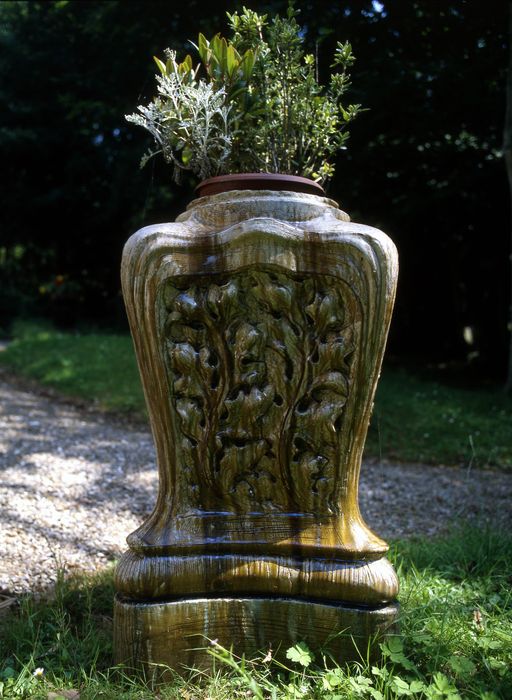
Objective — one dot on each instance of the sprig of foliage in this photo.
(259, 106)
(296, 126)
(189, 120)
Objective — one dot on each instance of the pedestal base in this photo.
(176, 633)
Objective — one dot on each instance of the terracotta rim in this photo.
(258, 181)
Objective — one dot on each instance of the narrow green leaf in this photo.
(161, 65)
(231, 62)
(203, 48)
(216, 47)
(247, 63)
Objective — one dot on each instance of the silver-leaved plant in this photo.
(189, 121)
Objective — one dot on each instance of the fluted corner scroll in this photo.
(260, 365)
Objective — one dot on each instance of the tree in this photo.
(507, 153)
(70, 71)
(423, 163)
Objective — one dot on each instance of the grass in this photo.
(456, 639)
(97, 367)
(419, 419)
(415, 418)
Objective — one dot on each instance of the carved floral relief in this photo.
(259, 365)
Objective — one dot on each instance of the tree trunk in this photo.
(507, 152)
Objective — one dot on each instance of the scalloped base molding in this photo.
(154, 637)
(259, 320)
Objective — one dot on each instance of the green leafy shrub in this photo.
(252, 103)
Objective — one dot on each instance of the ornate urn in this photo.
(259, 320)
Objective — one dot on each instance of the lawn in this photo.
(96, 366)
(415, 419)
(455, 641)
(420, 419)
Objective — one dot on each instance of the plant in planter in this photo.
(259, 319)
(253, 103)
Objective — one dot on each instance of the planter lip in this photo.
(258, 181)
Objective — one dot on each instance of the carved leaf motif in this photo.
(325, 385)
(249, 363)
(260, 365)
(221, 300)
(246, 409)
(274, 297)
(187, 305)
(183, 357)
(337, 354)
(240, 462)
(326, 313)
(191, 417)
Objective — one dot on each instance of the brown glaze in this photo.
(139, 577)
(177, 635)
(259, 320)
(258, 181)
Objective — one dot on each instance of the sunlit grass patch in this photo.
(98, 367)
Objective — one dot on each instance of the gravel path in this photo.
(74, 482)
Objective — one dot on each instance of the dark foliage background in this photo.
(424, 162)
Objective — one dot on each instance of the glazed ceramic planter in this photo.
(259, 320)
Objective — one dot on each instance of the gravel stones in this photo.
(74, 482)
